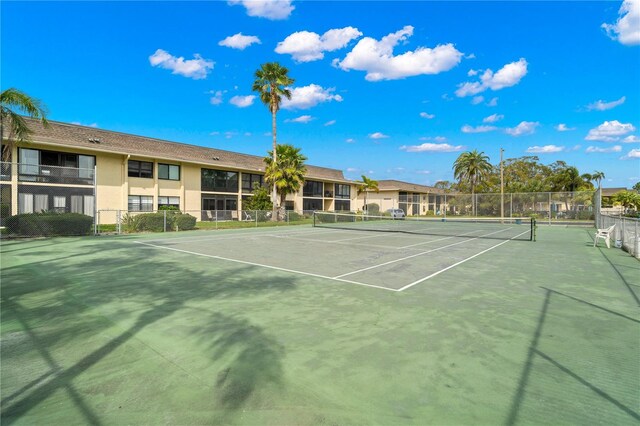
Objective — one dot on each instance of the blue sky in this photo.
(393, 90)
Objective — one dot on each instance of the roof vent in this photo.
(94, 140)
(216, 158)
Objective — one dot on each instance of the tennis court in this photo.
(322, 325)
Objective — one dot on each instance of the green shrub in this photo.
(152, 222)
(373, 209)
(293, 216)
(47, 224)
(184, 222)
(155, 222)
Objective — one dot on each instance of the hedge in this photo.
(155, 222)
(49, 224)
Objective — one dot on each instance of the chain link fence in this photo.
(38, 200)
(546, 207)
(124, 221)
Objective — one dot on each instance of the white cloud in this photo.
(615, 148)
(378, 135)
(524, 128)
(507, 76)
(493, 102)
(309, 96)
(196, 68)
(330, 123)
(435, 138)
(242, 101)
(634, 153)
(478, 129)
(352, 170)
(471, 73)
(377, 59)
(547, 149)
(77, 123)
(609, 131)
(432, 147)
(631, 139)
(477, 100)
(306, 46)
(493, 118)
(627, 28)
(423, 172)
(563, 128)
(302, 119)
(216, 99)
(427, 115)
(350, 140)
(239, 41)
(603, 106)
(270, 9)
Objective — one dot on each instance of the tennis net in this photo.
(521, 228)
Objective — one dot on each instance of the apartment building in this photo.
(412, 198)
(82, 169)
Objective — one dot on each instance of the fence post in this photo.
(119, 222)
(636, 238)
(549, 208)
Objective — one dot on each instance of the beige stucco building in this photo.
(135, 173)
(412, 198)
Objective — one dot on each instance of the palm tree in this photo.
(12, 100)
(598, 176)
(365, 186)
(472, 167)
(271, 83)
(287, 172)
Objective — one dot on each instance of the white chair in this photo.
(605, 234)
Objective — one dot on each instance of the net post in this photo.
(533, 229)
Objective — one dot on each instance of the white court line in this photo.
(244, 262)
(458, 263)
(416, 255)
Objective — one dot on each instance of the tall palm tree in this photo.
(271, 84)
(287, 172)
(365, 186)
(472, 167)
(13, 101)
(598, 176)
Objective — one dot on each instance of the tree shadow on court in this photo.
(55, 304)
(535, 352)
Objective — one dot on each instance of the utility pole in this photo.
(501, 187)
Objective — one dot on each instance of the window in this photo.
(249, 180)
(343, 205)
(169, 202)
(140, 203)
(29, 161)
(168, 172)
(219, 180)
(59, 204)
(343, 191)
(312, 189)
(143, 169)
(87, 164)
(311, 204)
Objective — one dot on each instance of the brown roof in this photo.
(607, 192)
(75, 136)
(397, 185)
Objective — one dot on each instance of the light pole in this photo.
(501, 188)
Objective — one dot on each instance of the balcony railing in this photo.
(47, 174)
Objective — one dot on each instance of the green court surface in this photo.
(311, 326)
